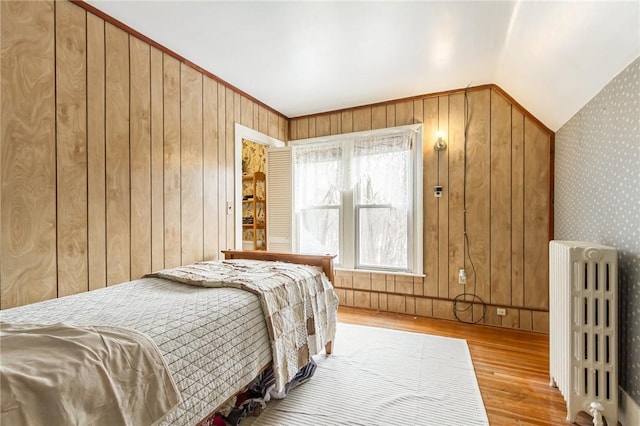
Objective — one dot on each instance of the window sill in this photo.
(380, 271)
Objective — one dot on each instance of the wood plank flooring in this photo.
(512, 366)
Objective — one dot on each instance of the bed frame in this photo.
(325, 261)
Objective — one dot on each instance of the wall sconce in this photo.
(440, 143)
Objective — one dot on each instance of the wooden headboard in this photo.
(325, 261)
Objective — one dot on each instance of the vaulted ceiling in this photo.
(308, 57)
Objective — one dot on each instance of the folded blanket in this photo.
(63, 374)
(299, 304)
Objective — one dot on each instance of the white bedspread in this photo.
(213, 340)
(299, 304)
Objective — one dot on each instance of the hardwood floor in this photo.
(512, 366)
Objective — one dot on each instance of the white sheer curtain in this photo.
(318, 184)
(357, 188)
(381, 169)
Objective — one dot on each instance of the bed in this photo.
(214, 341)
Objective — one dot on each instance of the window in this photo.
(356, 195)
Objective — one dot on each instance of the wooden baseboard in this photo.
(628, 409)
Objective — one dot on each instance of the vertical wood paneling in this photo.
(293, 126)
(191, 164)
(323, 125)
(430, 203)
(140, 146)
(526, 319)
(119, 208)
(274, 124)
(512, 319)
(139, 190)
(222, 168)
(442, 309)
(312, 127)
(361, 119)
(210, 164)
(263, 119)
(117, 157)
(302, 128)
(28, 207)
(71, 148)
(455, 190)
(232, 100)
(256, 117)
(336, 124)
(496, 203)
(172, 210)
(403, 115)
(541, 321)
(379, 117)
(478, 192)
(391, 115)
(417, 111)
(157, 161)
(97, 238)
(500, 200)
(536, 216)
(491, 317)
(346, 118)
(517, 208)
(282, 130)
(246, 113)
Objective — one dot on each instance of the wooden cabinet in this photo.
(254, 210)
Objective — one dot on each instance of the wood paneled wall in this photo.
(116, 156)
(117, 159)
(508, 195)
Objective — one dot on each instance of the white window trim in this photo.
(415, 254)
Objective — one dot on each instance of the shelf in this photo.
(257, 176)
(254, 205)
(251, 226)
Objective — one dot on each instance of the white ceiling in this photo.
(308, 57)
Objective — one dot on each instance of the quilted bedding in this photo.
(213, 340)
(298, 301)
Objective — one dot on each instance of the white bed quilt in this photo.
(213, 340)
(299, 304)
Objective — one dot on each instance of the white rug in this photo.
(384, 377)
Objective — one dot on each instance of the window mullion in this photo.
(348, 231)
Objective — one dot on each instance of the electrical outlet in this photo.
(502, 312)
(462, 276)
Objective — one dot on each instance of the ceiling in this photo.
(309, 57)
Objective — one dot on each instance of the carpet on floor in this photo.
(378, 376)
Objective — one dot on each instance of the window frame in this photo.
(348, 238)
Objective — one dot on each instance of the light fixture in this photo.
(440, 143)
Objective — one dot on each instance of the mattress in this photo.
(213, 340)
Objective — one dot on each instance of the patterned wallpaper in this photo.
(597, 197)
(254, 158)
